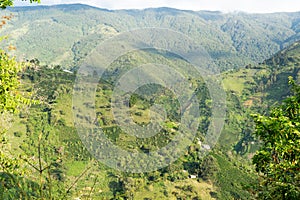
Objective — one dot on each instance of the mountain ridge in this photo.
(232, 40)
(142, 9)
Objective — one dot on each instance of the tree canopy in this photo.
(9, 82)
(278, 160)
(10, 99)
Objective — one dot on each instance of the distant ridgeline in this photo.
(65, 34)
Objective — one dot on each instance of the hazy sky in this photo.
(258, 6)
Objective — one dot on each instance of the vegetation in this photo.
(44, 158)
(233, 39)
(9, 82)
(10, 101)
(278, 159)
(5, 3)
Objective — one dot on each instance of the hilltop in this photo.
(51, 33)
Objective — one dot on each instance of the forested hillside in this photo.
(256, 53)
(224, 174)
(233, 39)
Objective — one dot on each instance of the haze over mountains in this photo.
(65, 34)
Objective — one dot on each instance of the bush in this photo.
(18, 134)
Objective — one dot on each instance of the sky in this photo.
(250, 6)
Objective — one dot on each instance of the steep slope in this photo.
(225, 174)
(256, 88)
(252, 89)
(233, 39)
(230, 38)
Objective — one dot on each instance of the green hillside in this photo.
(257, 88)
(44, 138)
(235, 39)
(224, 174)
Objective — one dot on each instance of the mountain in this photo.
(252, 89)
(65, 34)
(261, 51)
(255, 89)
(225, 173)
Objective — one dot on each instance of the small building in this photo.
(67, 71)
(192, 176)
(206, 147)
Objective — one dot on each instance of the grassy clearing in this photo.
(173, 190)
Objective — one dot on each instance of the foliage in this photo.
(208, 168)
(278, 160)
(6, 3)
(17, 187)
(44, 156)
(9, 79)
(232, 178)
(233, 40)
(10, 100)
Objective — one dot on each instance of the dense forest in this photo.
(46, 154)
(233, 40)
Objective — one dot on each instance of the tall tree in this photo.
(9, 83)
(278, 160)
(10, 100)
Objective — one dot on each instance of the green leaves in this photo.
(10, 102)
(278, 160)
(6, 3)
(9, 82)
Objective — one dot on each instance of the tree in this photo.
(208, 168)
(6, 3)
(278, 160)
(44, 156)
(10, 101)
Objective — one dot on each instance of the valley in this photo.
(255, 53)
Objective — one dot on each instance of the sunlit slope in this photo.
(65, 34)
